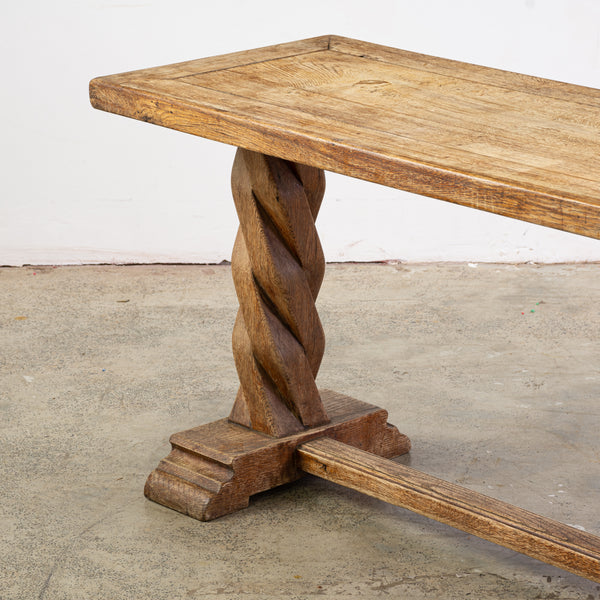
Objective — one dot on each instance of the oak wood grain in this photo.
(485, 517)
(225, 61)
(503, 142)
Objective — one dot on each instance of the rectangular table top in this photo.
(511, 144)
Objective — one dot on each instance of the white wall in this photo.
(81, 186)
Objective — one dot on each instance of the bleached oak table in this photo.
(511, 144)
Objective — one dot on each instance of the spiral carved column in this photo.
(278, 267)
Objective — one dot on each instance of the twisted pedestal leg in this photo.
(277, 266)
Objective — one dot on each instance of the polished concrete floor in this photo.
(492, 370)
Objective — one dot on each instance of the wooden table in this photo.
(511, 144)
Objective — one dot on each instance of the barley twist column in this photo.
(278, 267)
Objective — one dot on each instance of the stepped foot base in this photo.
(213, 469)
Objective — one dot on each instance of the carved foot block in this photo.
(213, 469)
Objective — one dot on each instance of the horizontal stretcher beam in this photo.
(499, 522)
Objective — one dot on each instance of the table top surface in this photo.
(512, 144)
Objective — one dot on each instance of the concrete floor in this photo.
(99, 365)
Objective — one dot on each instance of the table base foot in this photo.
(213, 469)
